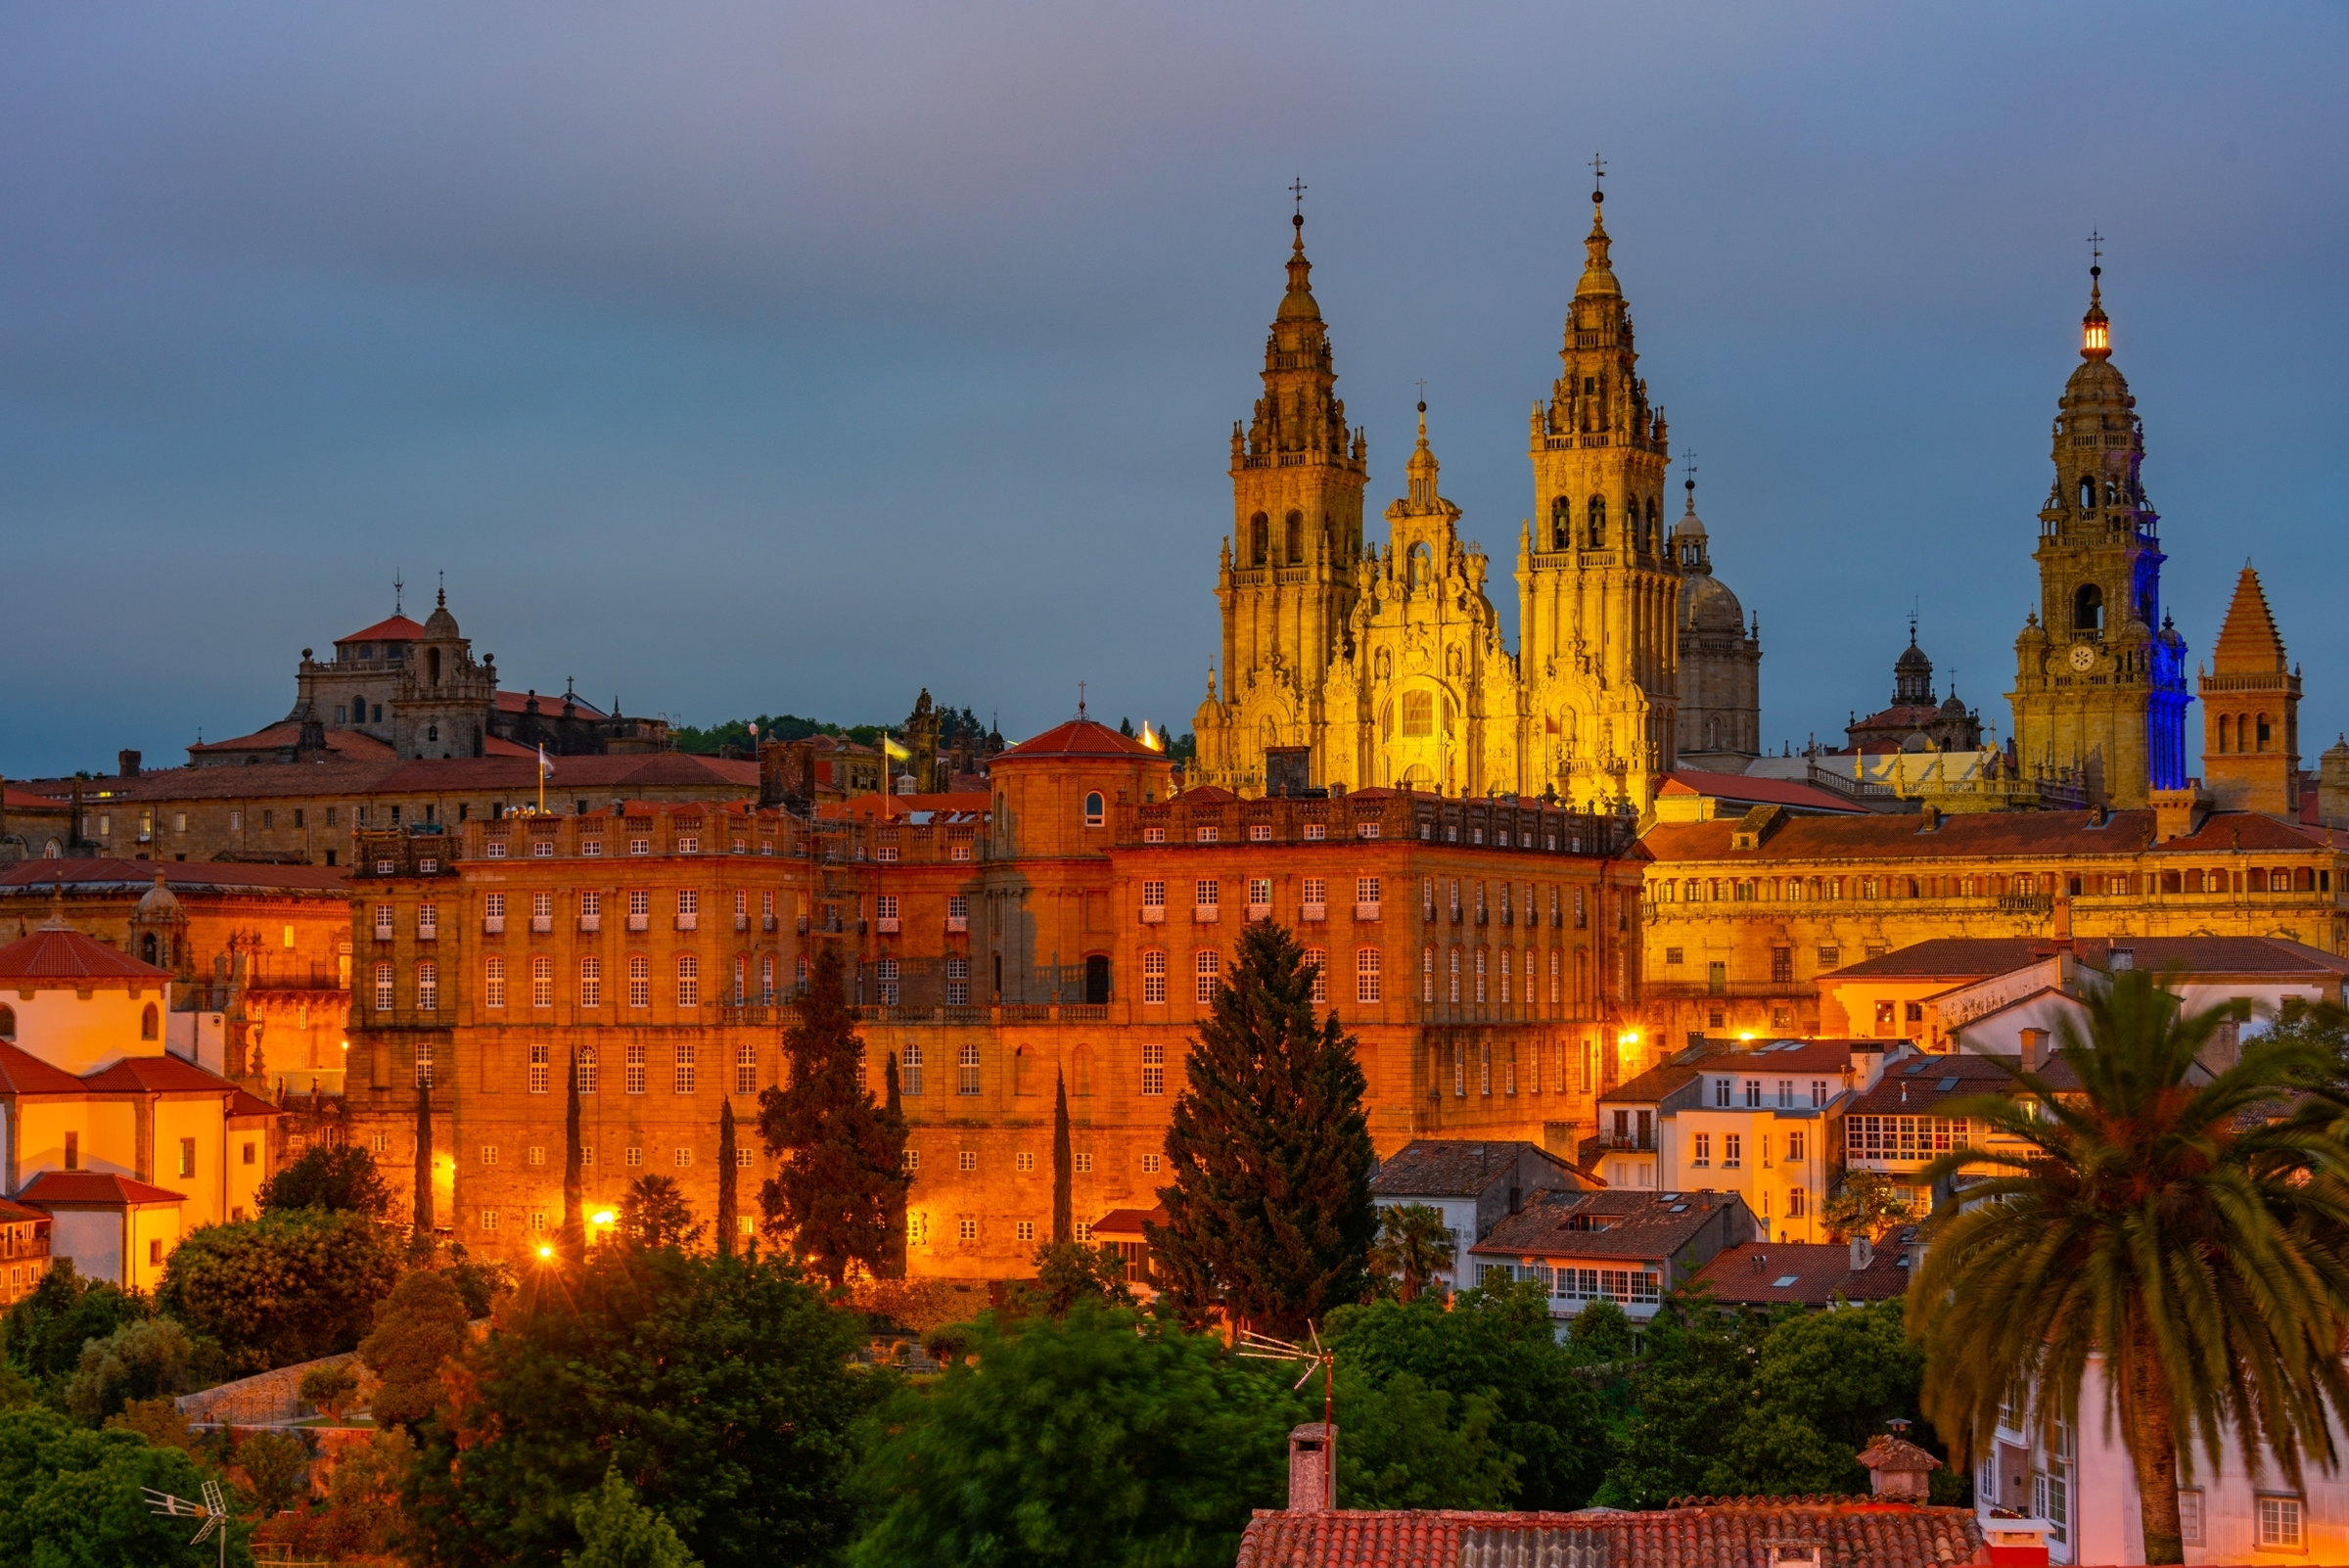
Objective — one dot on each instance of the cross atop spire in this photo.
(1598, 174)
(2095, 328)
(399, 588)
(1297, 189)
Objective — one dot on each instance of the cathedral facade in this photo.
(1384, 665)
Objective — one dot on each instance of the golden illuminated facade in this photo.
(1387, 666)
(2099, 672)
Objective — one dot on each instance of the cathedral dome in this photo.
(1711, 606)
(1914, 659)
(440, 624)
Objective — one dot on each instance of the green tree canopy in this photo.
(1867, 1201)
(143, 1359)
(1414, 1247)
(290, 1286)
(1067, 1274)
(1270, 1213)
(618, 1530)
(653, 1213)
(1495, 1345)
(1694, 1386)
(2190, 1228)
(418, 1330)
(1403, 1445)
(1823, 1384)
(277, 1470)
(341, 1176)
(1098, 1441)
(46, 1330)
(720, 1387)
(843, 1172)
(69, 1498)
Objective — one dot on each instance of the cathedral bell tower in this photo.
(2099, 672)
(1598, 587)
(1285, 583)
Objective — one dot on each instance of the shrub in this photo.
(418, 1329)
(293, 1285)
(141, 1360)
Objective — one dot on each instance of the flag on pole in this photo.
(546, 769)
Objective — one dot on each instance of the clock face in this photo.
(2084, 657)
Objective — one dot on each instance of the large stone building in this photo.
(1721, 659)
(2100, 680)
(1072, 925)
(2252, 711)
(1385, 666)
(400, 689)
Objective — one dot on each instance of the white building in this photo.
(1474, 1185)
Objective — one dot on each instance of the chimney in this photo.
(126, 764)
(2178, 814)
(2035, 1049)
(1864, 1251)
(1313, 1447)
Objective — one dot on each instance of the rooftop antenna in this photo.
(1264, 1347)
(212, 1510)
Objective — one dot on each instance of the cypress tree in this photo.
(892, 1116)
(726, 1222)
(843, 1171)
(1063, 1216)
(573, 1237)
(1268, 1214)
(424, 1162)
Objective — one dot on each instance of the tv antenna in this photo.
(1258, 1347)
(212, 1510)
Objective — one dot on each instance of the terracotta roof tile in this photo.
(351, 745)
(394, 628)
(91, 1187)
(1452, 1168)
(1745, 789)
(1636, 1225)
(23, 1073)
(518, 702)
(1127, 1222)
(1801, 1274)
(157, 1074)
(1875, 837)
(53, 954)
(1078, 737)
(1923, 1084)
(105, 874)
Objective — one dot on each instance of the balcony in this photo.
(383, 933)
(1154, 914)
(801, 925)
(1641, 1141)
(1368, 911)
(1458, 914)
(1206, 914)
(541, 924)
(886, 925)
(493, 925)
(742, 922)
(957, 925)
(428, 931)
(592, 922)
(767, 923)
(640, 922)
(1259, 912)
(1484, 916)
(1312, 913)
(688, 922)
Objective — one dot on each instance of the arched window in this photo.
(1023, 1071)
(583, 1066)
(147, 1022)
(591, 983)
(1427, 974)
(2088, 608)
(1561, 524)
(966, 1069)
(2260, 734)
(1260, 539)
(147, 947)
(1418, 714)
(8, 1022)
(1651, 524)
(432, 665)
(1318, 961)
(2088, 493)
(1093, 808)
(1598, 524)
(1295, 543)
(1455, 977)
(689, 979)
(432, 732)
(1153, 976)
(2225, 732)
(1206, 965)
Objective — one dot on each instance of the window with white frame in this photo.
(591, 983)
(423, 1064)
(1366, 975)
(1427, 974)
(685, 1065)
(494, 981)
(1205, 966)
(428, 987)
(745, 1069)
(583, 1068)
(2190, 1513)
(887, 977)
(383, 987)
(966, 1068)
(636, 1074)
(689, 979)
(1153, 976)
(1203, 891)
(542, 981)
(1700, 1149)
(958, 982)
(640, 981)
(2279, 1524)
(909, 1072)
(1154, 1070)
(541, 1067)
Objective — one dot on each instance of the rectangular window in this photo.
(637, 1073)
(1154, 1070)
(428, 988)
(966, 1160)
(1318, 961)
(1797, 1203)
(913, 1158)
(684, 1158)
(640, 981)
(488, 1154)
(489, 1219)
(1083, 1159)
(1150, 1164)
(1205, 966)
(1366, 891)
(1794, 1148)
(537, 1154)
(1024, 1229)
(966, 1228)
(2189, 1516)
(591, 983)
(684, 1067)
(187, 1157)
(382, 911)
(1366, 975)
(542, 981)
(1730, 1151)
(2278, 1524)
(383, 988)
(958, 982)
(1154, 976)
(1023, 1161)
(909, 1073)
(689, 979)
(745, 1069)
(541, 1069)
(1204, 892)
(632, 1158)
(966, 1069)
(1701, 1149)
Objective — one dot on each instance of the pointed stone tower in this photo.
(2099, 688)
(1599, 589)
(1286, 579)
(2252, 711)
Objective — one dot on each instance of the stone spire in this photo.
(2248, 643)
(1599, 272)
(2252, 711)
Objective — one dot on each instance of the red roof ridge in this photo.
(50, 954)
(393, 628)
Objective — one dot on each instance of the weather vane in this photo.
(2096, 251)
(1297, 189)
(1599, 170)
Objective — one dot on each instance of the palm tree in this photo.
(1414, 1246)
(2183, 1227)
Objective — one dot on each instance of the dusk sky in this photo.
(791, 358)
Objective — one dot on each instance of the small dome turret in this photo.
(159, 904)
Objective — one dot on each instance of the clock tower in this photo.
(2100, 689)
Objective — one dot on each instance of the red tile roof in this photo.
(1693, 1534)
(1453, 1168)
(518, 702)
(82, 1187)
(53, 954)
(19, 800)
(243, 1104)
(1921, 1085)
(1957, 958)
(23, 1073)
(157, 1074)
(1874, 837)
(1126, 1222)
(15, 1214)
(349, 745)
(1078, 737)
(1760, 1273)
(398, 628)
(106, 874)
(1740, 787)
(1637, 1225)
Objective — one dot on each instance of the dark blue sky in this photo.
(742, 358)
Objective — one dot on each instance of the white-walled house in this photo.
(1474, 1184)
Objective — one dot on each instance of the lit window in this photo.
(966, 1228)
(1153, 976)
(684, 1067)
(488, 1154)
(542, 982)
(1093, 808)
(489, 1219)
(1084, 1162)
(1366, 975)
(745, 1069)
(684, 1158)
(541, 1067)
(640, 981)
(1207, 966)
(1154, 1070)
(1150, 1164)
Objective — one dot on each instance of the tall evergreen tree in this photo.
(893, 1113)
(424, 1162)
(1268, 1214)
(1064, 1204)
(575, 1236)
(843, 1170)
(726, 1166)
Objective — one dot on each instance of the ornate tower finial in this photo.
(399, 588)
(442, 602)
(2096, 329)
